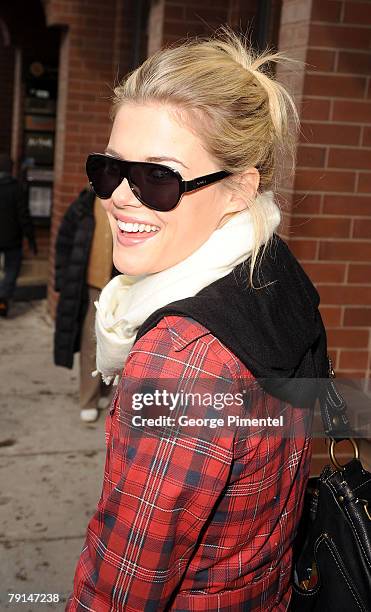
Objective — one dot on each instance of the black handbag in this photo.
(332, 548)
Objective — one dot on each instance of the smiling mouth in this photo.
(136, 228)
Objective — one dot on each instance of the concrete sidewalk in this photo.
(51, 464)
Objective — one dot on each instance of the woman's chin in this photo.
(125, 266)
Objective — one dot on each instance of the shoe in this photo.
(3, 308)
(89, 415)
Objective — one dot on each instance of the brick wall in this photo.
(190, 18)
(330, 227)
(171, 20)
(91, 59)
(329, 221)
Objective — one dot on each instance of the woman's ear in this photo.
(248, 182)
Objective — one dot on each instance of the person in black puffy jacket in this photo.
(72, 250)
(74, 323)
(15, 222)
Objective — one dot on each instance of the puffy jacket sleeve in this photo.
(64, 243)
(159, 490)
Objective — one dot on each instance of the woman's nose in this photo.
(123, 196)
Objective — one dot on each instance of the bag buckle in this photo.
(333, 459)
(365, 507)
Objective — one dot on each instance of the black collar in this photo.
(275, 330)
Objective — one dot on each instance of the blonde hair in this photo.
(215, 85)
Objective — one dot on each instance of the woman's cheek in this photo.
(113, 224)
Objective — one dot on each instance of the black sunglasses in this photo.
(155, 185)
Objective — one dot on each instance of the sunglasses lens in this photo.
(155, 185)
(104, 173)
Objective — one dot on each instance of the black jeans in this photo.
(12, 266)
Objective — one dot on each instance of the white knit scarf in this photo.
(127, 301)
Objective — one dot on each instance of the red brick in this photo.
(303, 249)
(326, 10)
(333, 354)
(353, 359)
(317, 431)
(345, 294)
(347, 338)
(357, 13)
(181, 29)
(338, 36)
(364, 182)
(315, 108)
(324, 180)
(336, 86)
(331, 316)
(310, 156)
(320, 445)
(317, 464)
(100, 20)
(72, 157)
(366, 136)
(357, 317)
(320, 59)
(209, 14)
(349, 158)
(321, 272)
(79, 96)
(306, 204)
(65, 19)
(205, 3)
(330, 133)
(353, 62)
(321, 227)
(348, 250)
(362, 229)
(174, 12)
(359, 273)
(346, 205)
(354, 111)
(357, 376)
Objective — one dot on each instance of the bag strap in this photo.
(333, 409)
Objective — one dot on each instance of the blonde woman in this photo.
(199, 506)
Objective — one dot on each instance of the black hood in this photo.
(276, 331)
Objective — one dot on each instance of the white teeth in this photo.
(136, 227)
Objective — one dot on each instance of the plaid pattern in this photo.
(192, 522)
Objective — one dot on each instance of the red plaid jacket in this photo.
(201, 520)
